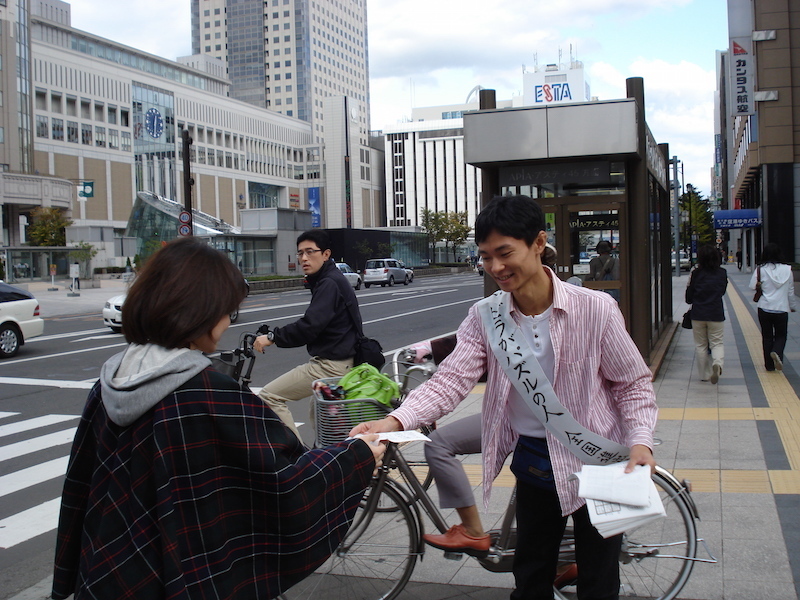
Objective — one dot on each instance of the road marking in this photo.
(61, 336)
(29, 523)
(43, 356)
(39, 443)
(34, 423)
(25, 478)
(98, 337)
(59, 383)
(4, 415)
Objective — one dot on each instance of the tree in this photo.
(84, 254)
(48, 227)
(455, 230)
(363, 249)
(699, 223)
(433, 224)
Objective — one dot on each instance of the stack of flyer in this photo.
(619, 501)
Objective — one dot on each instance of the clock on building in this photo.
(154, 123)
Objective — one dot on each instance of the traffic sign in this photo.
(185, 216)
(185, 230)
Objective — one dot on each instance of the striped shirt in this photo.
(599, 376)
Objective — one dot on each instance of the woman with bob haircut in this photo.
(181, 484)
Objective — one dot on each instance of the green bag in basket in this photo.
(365, 381)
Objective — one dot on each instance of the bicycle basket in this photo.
(228, 363)
(335, 418)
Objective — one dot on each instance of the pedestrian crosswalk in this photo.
(34, 453)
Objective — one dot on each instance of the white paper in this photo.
(612, 484)
(612, 518)
(399, 436)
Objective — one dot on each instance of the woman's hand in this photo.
(641, 455)
(387, 424)
(378, 450)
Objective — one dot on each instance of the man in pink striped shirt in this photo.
(579, 338)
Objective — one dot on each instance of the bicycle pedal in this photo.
(454, 555)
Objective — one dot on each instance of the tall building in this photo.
(289, 55)
(762, 124)
(305, 59)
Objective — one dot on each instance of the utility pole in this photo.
(676, 216)
(186, 226)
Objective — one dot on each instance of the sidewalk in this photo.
(61, 303)
(738, 442)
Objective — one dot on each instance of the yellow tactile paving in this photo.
(742, 481)
(702, 480)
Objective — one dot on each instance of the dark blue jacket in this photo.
(326, 329)
(705, 291)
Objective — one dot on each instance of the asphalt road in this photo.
(45, 386)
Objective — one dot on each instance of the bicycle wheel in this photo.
(655, 559)
(375, 560)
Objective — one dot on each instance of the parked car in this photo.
(112, 311)
(479, 266)
(19, 319)
(384, 271)
(685, 263)
(409, 272)
(351, 276)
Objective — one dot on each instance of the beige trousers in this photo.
(296, 385)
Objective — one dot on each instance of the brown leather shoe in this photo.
(567, 575)
(456, 539)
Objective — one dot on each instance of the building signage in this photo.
(737, 219)
(742, 65)
(581, 173)
(596, 222)
(656, 162)
(555, 92)
(314, 207)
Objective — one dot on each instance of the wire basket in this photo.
(336, 418)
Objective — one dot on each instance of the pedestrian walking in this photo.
(776, 282)
(707, 285)
(739, 259)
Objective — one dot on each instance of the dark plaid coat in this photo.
(207, 495)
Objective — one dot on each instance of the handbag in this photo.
(759, 291)
(687, 319)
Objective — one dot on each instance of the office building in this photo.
(425, 168)
(762, 132)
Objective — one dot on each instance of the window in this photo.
(113, 139)
(112, 115)
(207, 25)
(206, 13)
(86, 134)
(42, 127)
(207, 37)
(218, 47)
(100, 137)
(58, 129)
(208, 48)
(126, 141)
(55, 103)
(72, 132)
(216, 11)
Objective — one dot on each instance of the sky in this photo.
(433, 52)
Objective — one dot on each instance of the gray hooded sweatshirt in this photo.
(138, 378)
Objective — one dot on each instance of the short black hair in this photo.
(519, 217)
(182, 292)
(603, 246)
(708, 257)
(771, 254)
(319, 236)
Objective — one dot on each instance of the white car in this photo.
(351, 276)
(19, 319)
(112, 312)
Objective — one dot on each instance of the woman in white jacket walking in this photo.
(777, 285)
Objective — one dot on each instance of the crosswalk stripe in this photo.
(34, 423)
(29, 523)
(24, 478)
(4, 415)
(39, 443)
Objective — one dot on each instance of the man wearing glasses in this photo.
(326, 329)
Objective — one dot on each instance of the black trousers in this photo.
(540, 528)
(773, 335)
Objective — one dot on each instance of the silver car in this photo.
(19, 319)
(383, 272)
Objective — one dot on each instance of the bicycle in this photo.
(378, 556)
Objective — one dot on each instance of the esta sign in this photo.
(552, 92)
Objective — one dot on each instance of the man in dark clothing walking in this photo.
(326, 329)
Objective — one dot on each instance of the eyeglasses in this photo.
(310, 252)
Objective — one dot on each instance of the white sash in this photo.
(525, 374)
